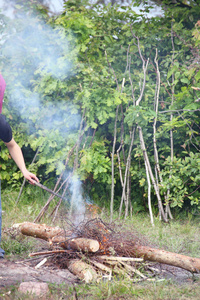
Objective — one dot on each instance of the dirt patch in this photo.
(175, 274)
(12, 273)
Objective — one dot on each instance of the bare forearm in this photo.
(17, 156)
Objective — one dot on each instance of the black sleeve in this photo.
(5, 130)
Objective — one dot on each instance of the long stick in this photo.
(49, 252)
(118, 258)
(49, 190)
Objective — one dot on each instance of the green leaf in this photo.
(185, 80)
(197, 76)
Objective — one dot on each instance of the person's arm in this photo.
(16, 153)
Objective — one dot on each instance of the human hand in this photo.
(30, 177)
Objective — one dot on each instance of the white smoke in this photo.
(77, 209)
(8, 7)
(35, 51)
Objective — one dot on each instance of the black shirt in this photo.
(5, 130)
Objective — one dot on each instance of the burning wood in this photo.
(105, 250)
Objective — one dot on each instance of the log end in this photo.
(82, 270)
(84, 244)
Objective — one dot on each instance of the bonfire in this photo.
(95, 249)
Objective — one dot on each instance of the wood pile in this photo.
(94, 250)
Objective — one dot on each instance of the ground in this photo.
(15, 272)
(12, 273)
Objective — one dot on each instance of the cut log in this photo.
(41, 231)
(82, 270)
(165, 257)
(81, 244)
(56, 235)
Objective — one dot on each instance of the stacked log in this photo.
(85, 269)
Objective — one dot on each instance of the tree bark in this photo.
(56, 235)
(41, 231)
(157, 255)
(79, 244)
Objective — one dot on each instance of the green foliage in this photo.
(16, 247)
(182, 178)
(96, 161)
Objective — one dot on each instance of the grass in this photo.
(181, 236)
(26, 209)
(114, 290)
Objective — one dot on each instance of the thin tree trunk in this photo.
(149, 194)
(127, 199)
(113, 153)
(92, 137)
(113, 168)
(123, 197)
(119, 163)
(144, 67)
(167, 211)
(120, 175)
(157, 165)
(114, 142)
(78, 142)
(160, 205)
(128, 192)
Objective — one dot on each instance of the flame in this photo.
(93, 209)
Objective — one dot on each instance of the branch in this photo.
(178, 110)
(144, 67)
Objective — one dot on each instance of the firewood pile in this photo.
(95, 250)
